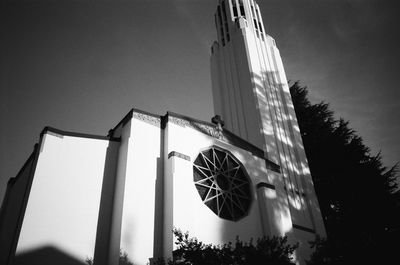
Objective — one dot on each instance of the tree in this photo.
(191, 251)
(358, 196)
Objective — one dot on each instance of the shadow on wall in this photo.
(281, 202)
(290, 148)
(274, 96)
(47, 255)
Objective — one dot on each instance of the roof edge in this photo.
(230, 137)
(76, 134)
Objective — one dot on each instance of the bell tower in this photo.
(252, 95)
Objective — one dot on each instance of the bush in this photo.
(267, 250)
(191, 251)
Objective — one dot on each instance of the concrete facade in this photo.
(85, 196)
(159, 193)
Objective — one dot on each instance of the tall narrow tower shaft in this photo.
(251, 94)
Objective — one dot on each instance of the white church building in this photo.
(82, 196)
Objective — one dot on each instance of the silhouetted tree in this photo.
(358, 196)
(191, 251)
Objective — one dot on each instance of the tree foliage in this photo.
(358, 196)
(191, 251)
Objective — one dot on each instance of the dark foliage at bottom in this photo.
(191, 251)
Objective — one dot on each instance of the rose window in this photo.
(222, 183)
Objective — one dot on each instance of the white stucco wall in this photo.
(187, 211)
(63, 205)
(152, 192)
(139, 203)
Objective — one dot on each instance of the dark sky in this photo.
(81, 65)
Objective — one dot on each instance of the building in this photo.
(249, 80)
(80, 196)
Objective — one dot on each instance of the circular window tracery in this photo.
(222, 183)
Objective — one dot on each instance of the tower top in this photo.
(232, 14)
